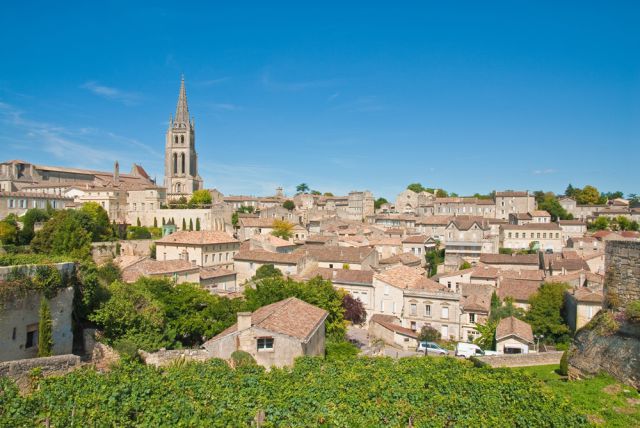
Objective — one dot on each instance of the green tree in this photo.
(45, 336)
(465, 265)
(155, 222)
(100, 227)
(190, 224)
(29, 219)
(588, 195)
(8, 233)
(329, 194)
(570, 191)
(201, 197)
(545, 312)
(234, 219)
(282, 229)
(138, 222)
(600, 223)
(302, 188)
(549, 202)
(428, 334)
(315, 192)
(267, 271)
(440, 193)
(138, 232)
(623, 223)
(487, 338)
(289, 205)
(416, 187)
(184, 224)
(379, 202)
(66, 233)
(198, 223)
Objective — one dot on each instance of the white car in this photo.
(468, 350)
(431, 348)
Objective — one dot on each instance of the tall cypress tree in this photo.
(184, 224)
(45, 338)
(198, 224)
(190, 224)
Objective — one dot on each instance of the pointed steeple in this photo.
(182, 109)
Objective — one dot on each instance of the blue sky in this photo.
(466, 96)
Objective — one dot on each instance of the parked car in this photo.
(467, 350)
(431, 348)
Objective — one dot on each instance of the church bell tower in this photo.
(181, 161)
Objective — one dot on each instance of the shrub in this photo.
(478, 363)
(604, 323)
(242, 359)
(45, 339)
(340, 350)
(564, 364)
(633, 311)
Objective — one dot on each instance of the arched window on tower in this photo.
(176, 139)
(182, 139)
(178, 188)
(175, 163)
(183, 163)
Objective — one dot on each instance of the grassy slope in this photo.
(606, 401)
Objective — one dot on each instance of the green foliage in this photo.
(506, 309)
(302, 188)
(289, 205)
(564, 364)
(588, 195)
(90, 289)
(604, 323)
(99, 227)
(282, 229)
(8, 233)
(152, 250)
(428, 334)
(340, 350)
(545, 312)
(267, 271)
(600, 223)
(184, 224)
(316, 192)
(549, 202)
(487, 338)
(31, 259)
(416, 187)
(358, 392)
(317, 291)
(434, 258)
(242, 359)
(465, 265)
(198, 224)
(632, 311)
(234, 219)
(201, 197)
(329, 194)
(68, 232)
(190, 224)
(45, 337)
(378, 203)
(29, 219)
(138, 232)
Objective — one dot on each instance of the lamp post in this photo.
(538, 337)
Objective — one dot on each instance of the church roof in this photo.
(182, 109)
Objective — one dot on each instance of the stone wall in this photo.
(523, 360)
(622, 281)
(49, 365)
(65, 268)
(165, 357)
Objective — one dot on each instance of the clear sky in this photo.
(465, 96)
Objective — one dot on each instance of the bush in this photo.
(138, 232)
(564, 364)
(477, 362)
(633, 311)
(340, 350)
(604, 323)
(242, 359)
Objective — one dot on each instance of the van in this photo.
(471, 350)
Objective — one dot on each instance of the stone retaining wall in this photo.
(165, 357)
(49, 365)
(523, 360)
(622, 261)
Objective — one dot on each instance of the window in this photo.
(449, 285)
(331, 267)
(472, 317)
(413, 309)
(265, 343)
(444, 331)
(445, 314)
(427, 310)
(32, 336)
(413, 326)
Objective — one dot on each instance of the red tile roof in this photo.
(202, 237)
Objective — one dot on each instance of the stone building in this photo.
(181, 176)
(510, 202)
(19, 202)
(274, 335)
(581, 305)
(513, 336)
(202, 248)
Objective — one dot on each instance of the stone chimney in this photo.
(244, 320)
(116, 172)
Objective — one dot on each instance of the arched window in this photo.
(182, 139)
(183, 163)
(176, 139)
(175, 163)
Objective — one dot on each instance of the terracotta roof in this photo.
(404, 258)
(262, 256)
(587, 295)
(509, 259)
(156, 267)
(467, 222)
(415, 239)
(291, 317)
(409, 278)
(571, 223)
(540, 213)
(511, 193)
(512, 326)
(208, 272)
(202, 237)
(387, 241)
(524, 274)
(35, 195)
(256, 222)
(388, 322)
(438, 220)
(339, 254)
(520, 290)
(319, 238)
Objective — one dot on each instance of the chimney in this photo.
(244, 320)
(116, 172)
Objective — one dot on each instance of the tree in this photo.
(201, 197)
(549, 202)
(302, 188)
(29, 219)
(588, 195)
(623, 223)
(184, 224)
(45, 336)
(198, 223)
(328, 194)
(99, 226)
(416, 187)
(8, 233)
(379, 202)
(155, 222)
(600, 223)
(282, 229)
(434, 258)
(138, 232)
(267, 271)
(289, 205)
(441, 193)
(487, 338)
(428, 334)
(545, 312)
(316, 192)
(505, 309)
(570, 191)
(354, 310)
(190, 224)
(465, 265)
(634, 226)
(66, 233)
(138, 222)
(234, 219)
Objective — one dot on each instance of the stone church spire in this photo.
(182, 109)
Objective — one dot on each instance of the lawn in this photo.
(603, 399)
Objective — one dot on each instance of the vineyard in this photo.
(356, 392)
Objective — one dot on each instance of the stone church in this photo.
(181, 176)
